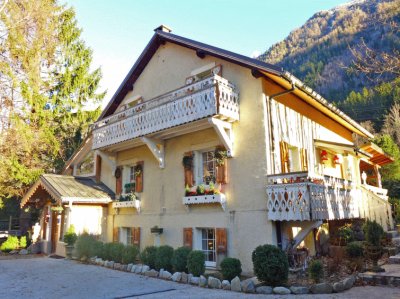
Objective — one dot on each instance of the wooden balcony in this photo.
(304, 196)
(210, 97)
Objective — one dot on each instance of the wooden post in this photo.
(10, 224)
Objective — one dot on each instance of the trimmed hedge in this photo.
(230, 268)
(148, 256)
(117, 250)
(179, 260)
(195, 263)
(130, 254)
(270, 265)
(164, 257)
(86, 246)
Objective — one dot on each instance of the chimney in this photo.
(163, 28)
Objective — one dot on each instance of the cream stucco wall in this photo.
(245, 217)
(161, 200)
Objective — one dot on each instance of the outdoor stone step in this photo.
(392, 234)
(394, 259)
(396, 241)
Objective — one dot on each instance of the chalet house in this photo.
(209, 149)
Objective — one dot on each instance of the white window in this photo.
(204, 240)
(205, 167)
(125, 235)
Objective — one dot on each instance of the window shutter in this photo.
(188, 237)
(284, 151)
(118, 183)
(139, 178)
(135, 231)
(221, 240)
(303, 158)
(116, 234)
(222, 174)
(189, 170)
(98, 168)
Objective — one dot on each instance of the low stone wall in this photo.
(251, 285)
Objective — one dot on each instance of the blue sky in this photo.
(118, 30)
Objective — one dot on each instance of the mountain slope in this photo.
(320, 52)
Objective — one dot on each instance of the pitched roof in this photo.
(65, 188)
(258, 68)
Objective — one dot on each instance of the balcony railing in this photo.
(213, 96)
(305, 196)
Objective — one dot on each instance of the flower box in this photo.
(127, 204)
(205, 199)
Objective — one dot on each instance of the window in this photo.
(208, 246)
(125, 236)
(205, 167)
(208, 165)
(87, 165)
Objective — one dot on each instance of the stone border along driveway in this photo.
(57, 278)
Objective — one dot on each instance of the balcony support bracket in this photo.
(225, 133)
(111, 159)
(157, 149)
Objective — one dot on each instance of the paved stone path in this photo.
(50, 278)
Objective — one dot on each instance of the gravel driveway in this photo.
(58, 278)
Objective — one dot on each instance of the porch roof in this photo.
(66, 189)
(378, 155)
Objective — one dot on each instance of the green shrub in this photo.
(316, 270)
(70, 236)
(179, 260)
(195, 262)
(148, 256)
(354, 249)
(164, 257)
(22, 242)
(130, 253)
(117, 250)
(10, 244)
(230, 268)
(373, 233)
(106, 251)
(270, 265)
(346, 233)
(87, 246)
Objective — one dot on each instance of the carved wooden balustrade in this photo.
(305, 196)
(213, 96)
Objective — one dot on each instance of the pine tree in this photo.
(46, 83)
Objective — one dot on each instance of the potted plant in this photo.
(70, 238)
(373, 235)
